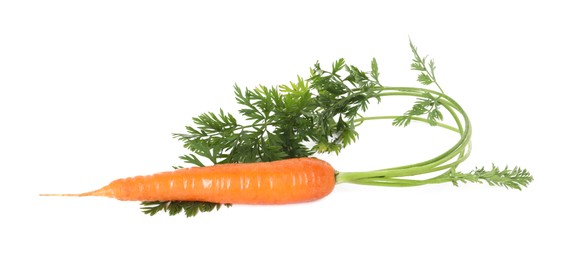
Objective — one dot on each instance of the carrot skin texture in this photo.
(279, 182)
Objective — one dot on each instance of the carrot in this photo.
(279, 182)
(317, 115)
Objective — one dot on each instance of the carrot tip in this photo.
(100, 192)
(62, 195)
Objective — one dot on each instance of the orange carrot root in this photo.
(278, 182)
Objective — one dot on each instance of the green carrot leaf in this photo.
(425, 79)
(515, 178)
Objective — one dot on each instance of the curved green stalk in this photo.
(465, 133)
(445, 163)
(450, 159)
(369, 118)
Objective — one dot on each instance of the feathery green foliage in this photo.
(190, 208)
(515, 178)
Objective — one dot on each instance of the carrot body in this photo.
(278, 182)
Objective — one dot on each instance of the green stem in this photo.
(363, 119)
(450, 159)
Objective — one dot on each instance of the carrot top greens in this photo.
(320, 114)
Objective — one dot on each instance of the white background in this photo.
(91, 91)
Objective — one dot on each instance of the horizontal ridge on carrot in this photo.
(268, 158)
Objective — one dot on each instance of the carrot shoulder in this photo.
(279, 182)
